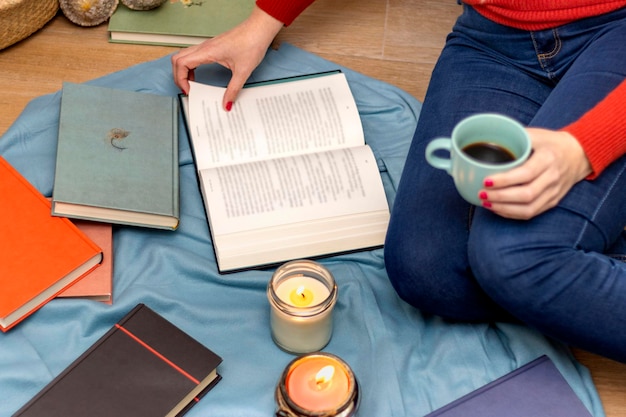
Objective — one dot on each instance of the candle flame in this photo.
(324, 375)
(300, 291)
(301, 296)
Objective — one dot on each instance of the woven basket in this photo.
(21, 18)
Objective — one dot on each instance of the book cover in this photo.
(97, 285)
(144, 366)
(177, 23)
(40, 255)
(535, 389)
(286, 174)
(117, 157)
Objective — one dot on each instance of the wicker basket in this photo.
(21, 18)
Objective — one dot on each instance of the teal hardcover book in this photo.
(117, 157)
(177, 23)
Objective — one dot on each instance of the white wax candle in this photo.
(301, 333)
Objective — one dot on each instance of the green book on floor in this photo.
(177, 23)
(117, 157)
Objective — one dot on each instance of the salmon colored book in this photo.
(98, 284)
(40, 255)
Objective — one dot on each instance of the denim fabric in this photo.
(554, 271)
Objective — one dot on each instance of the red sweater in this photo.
(602, 130)
(541, 14)
(284, 10)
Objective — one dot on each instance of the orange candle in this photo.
(318, 383)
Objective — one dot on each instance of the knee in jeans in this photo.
(504, 271)
(414, 273)
(431, 283)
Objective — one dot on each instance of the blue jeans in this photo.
(557, 272)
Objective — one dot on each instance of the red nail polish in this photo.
(229, 106)
(482, 195)
(488, 183)
(486, 204)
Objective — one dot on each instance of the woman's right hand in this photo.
(240, 49)
(557, 163)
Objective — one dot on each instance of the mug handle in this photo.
(444, 144)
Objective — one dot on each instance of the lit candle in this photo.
(302, 295)
(318, 384)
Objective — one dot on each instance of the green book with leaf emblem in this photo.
(117, 157)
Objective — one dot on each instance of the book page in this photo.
(266, 121)
(268, 193)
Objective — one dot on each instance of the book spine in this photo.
(175, 168)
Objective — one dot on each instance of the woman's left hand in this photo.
(557, 163)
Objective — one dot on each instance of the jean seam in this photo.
(599, 206)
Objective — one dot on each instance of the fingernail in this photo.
(229, 106)
(486, 204)
(482, 195)
(488, 183)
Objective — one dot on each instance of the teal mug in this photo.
(480, 145)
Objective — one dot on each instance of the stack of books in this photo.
(40, 255)
(117, 163)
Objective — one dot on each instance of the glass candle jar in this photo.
(317, 385)
(302, 295)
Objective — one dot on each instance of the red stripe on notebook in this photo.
(157, 354)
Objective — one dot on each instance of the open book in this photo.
(286, 173)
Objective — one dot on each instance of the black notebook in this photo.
(537, 389)
(144, 366)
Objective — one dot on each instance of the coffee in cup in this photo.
(480, 145)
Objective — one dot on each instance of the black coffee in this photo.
(489, 153)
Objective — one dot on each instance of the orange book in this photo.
(98, 284)
(40, 255)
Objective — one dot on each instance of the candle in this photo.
(318, 384)
(302, 295)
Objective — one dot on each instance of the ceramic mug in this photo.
(480, 145)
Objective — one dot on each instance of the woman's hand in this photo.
(240, 49)
(556, 164)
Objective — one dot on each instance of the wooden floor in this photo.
(396, 41)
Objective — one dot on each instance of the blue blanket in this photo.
(407, 363)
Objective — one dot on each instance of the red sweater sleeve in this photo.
(602, 130)
(284, 10)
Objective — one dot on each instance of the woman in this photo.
(546, 246)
